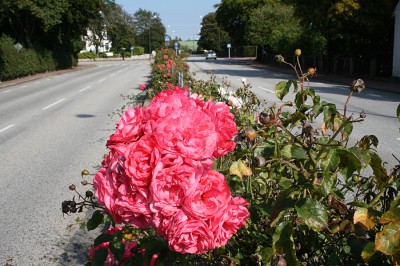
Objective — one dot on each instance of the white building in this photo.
(90, 38)
(396, 45)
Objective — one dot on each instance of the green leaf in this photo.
(391, 215)
(328, 182)
(380, 172)
(282, 89)
(349, 163)
(388, 241)
(116, 246)
(267, 255)
(295, 118)
(293, 152)
(102, 239)
(265, 149)
(95, 220)
(368, 251)
(283, 244)
(330, 161)
(100, 257)
(314, 214)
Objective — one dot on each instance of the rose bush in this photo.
(286, 190)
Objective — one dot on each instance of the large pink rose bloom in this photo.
(130, 128)
(105, 191)
(190, 235)
(140, 160)
(188, 132)
(174, 179)
(224, 125)
(226, 223)
(132, 204)
(211, 196)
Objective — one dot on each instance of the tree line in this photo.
(358, 28)
(60, 25)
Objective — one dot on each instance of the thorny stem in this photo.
(345, 110)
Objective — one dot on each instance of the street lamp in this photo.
(155, 16)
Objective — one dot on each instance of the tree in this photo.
(212, 37)
(233, 16)
(150, 32)
(275, 27)
(120, 28)
(48, 24)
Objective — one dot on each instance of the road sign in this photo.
(228, 45)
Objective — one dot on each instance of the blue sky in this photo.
(181, 18)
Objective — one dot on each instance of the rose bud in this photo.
(251, 133)
(72, 187)
(85, 172)
(311, 71)
(84, 182)
(89, 194)
(297, 52)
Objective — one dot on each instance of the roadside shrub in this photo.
(138, 50)
(87, 55)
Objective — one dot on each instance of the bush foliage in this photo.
(314, 200)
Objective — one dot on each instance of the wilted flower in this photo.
(357, 85)
(279, 58)
(244, 81)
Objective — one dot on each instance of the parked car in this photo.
(211, 55)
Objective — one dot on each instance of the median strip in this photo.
(47, 107)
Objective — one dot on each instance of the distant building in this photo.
(396, 45)
(105, 43)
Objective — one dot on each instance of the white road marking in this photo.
(24, 86)
(7, 127)
(47, 107)
(88, 87)
(398, 138)
(37, 82)
(267, 90)
(101, 80)
(7, 91)
(112, 75)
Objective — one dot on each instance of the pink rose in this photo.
(142, 86)
(211, 196)
(140, 159)
(187, 132)
(224, 126)
(132, 205)
(172, 183)
(226, 223)
(190, 235)
(130, 128)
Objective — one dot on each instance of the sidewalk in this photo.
(378, 83)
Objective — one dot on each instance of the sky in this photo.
(181, 18)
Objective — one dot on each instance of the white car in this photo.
(211, 55)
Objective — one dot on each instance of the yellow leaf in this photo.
(234, 170)
(388, 241)
(240, 169)
(363, 217)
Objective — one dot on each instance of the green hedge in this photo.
(87, 55)
(15, 64)
(138, 50)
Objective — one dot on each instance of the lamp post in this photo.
(149, 33)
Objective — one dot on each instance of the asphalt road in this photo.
(50, 130)
(379, 106)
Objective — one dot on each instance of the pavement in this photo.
(377, 83)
